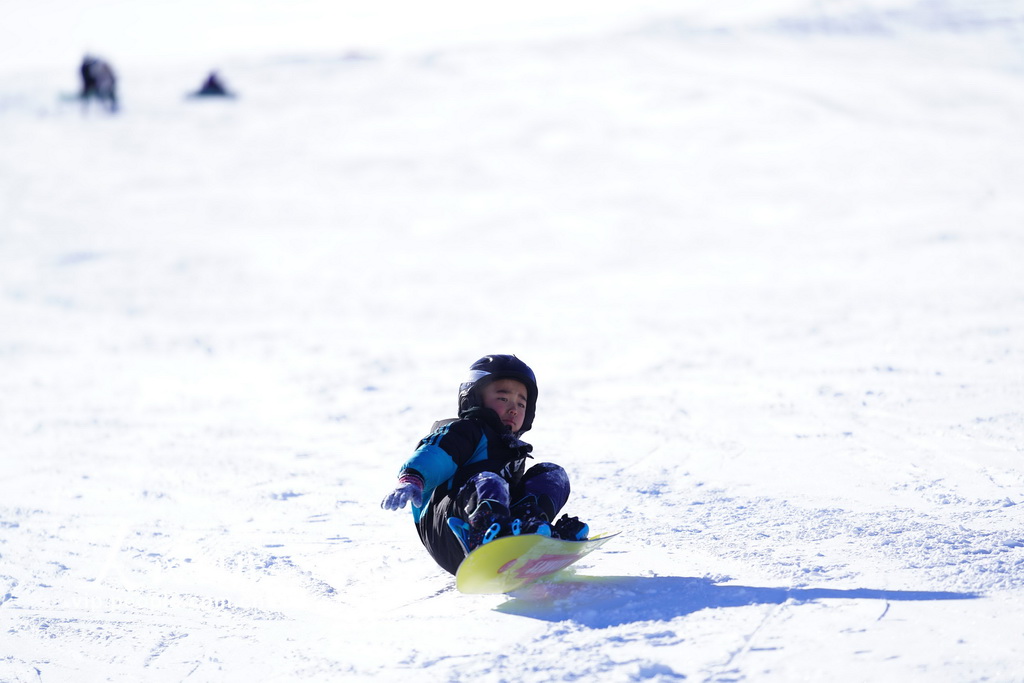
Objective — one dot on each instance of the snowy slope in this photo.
(766, 264)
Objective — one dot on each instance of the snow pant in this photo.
(546, 480)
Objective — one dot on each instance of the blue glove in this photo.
(409, 490)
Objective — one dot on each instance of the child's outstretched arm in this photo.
(409, 490)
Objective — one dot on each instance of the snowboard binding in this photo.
(492, 520)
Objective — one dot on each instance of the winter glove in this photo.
(409, 490)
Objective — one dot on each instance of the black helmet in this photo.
(495, 367)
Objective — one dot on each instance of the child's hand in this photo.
(409, 490)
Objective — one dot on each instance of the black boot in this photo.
(529, 516)
(488, 522)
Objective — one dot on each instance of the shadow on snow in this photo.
(599, 602)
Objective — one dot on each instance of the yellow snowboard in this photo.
(509, 562)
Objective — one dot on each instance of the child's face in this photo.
(507, 397)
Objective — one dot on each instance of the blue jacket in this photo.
(458, 449)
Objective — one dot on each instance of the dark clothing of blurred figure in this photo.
(213, 87)
(98, 83)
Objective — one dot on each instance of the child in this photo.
(474, 468)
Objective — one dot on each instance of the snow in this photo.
(765, 263)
